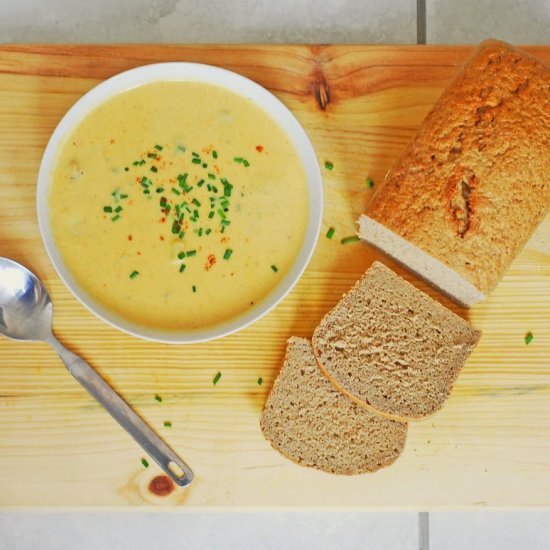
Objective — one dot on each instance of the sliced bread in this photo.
(472, 186)
(391, 347)
(310, 422)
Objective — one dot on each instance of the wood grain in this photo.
(490, 445)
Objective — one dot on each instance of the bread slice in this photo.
(472, 186)
(391, 347)
(310, 422)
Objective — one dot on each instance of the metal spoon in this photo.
(26, 314)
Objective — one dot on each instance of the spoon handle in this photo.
(151, 443)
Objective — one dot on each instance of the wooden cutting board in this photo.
(489, 446)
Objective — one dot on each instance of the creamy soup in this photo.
(178, 205)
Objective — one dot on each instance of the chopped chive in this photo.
(195, 155)
(274, 268)
(211, 176)
(167, 424)
(214, 189)
(119, 209)
(158, 398)
(221, 213)
(152, 155)
(204, 165)
(181, 255)
(200, 183)
(191, 253)
(145, 181)
(238, 159)
(209, 187)
(134, 274)
(115, 218)
(194, 288)
(145, 463)
(216, 378)
(154, 169)
(146, 191)
(175, 227)
(246, 164)
(369, 183)
(139, 162)
(200, 231)
(215, 154)
(330, 232)
(158, 147)
(260, 381)
(528, 338)
(227, 254)
(222, 230)
(178, 210)
(160, 189)
(227, 190)
(107, 209)
(182, 234)
(126, 168)
(182, 268)
(225, 222)
(329, 165)
(175, 191)
(352, 239)
(123, 196)
(208, 230)
(180, 148)
(196, 161)
(196, 202)
(196, 213)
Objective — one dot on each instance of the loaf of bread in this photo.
(391, 347)
(307, 420)
(473, 185)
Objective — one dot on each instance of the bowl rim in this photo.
(236, 83)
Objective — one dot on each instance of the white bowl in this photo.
(184, 72)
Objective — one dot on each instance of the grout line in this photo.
(421, 21)
(423, 531)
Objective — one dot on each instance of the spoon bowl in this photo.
(26, 313)
(25, 305)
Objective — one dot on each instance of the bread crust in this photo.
(472, 186)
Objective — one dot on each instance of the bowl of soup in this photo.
(179, 202)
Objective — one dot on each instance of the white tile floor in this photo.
(200, 21)
(213, 530)
(505, 530)
(471, 21)
(346, 21)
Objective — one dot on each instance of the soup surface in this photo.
(178, 205)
